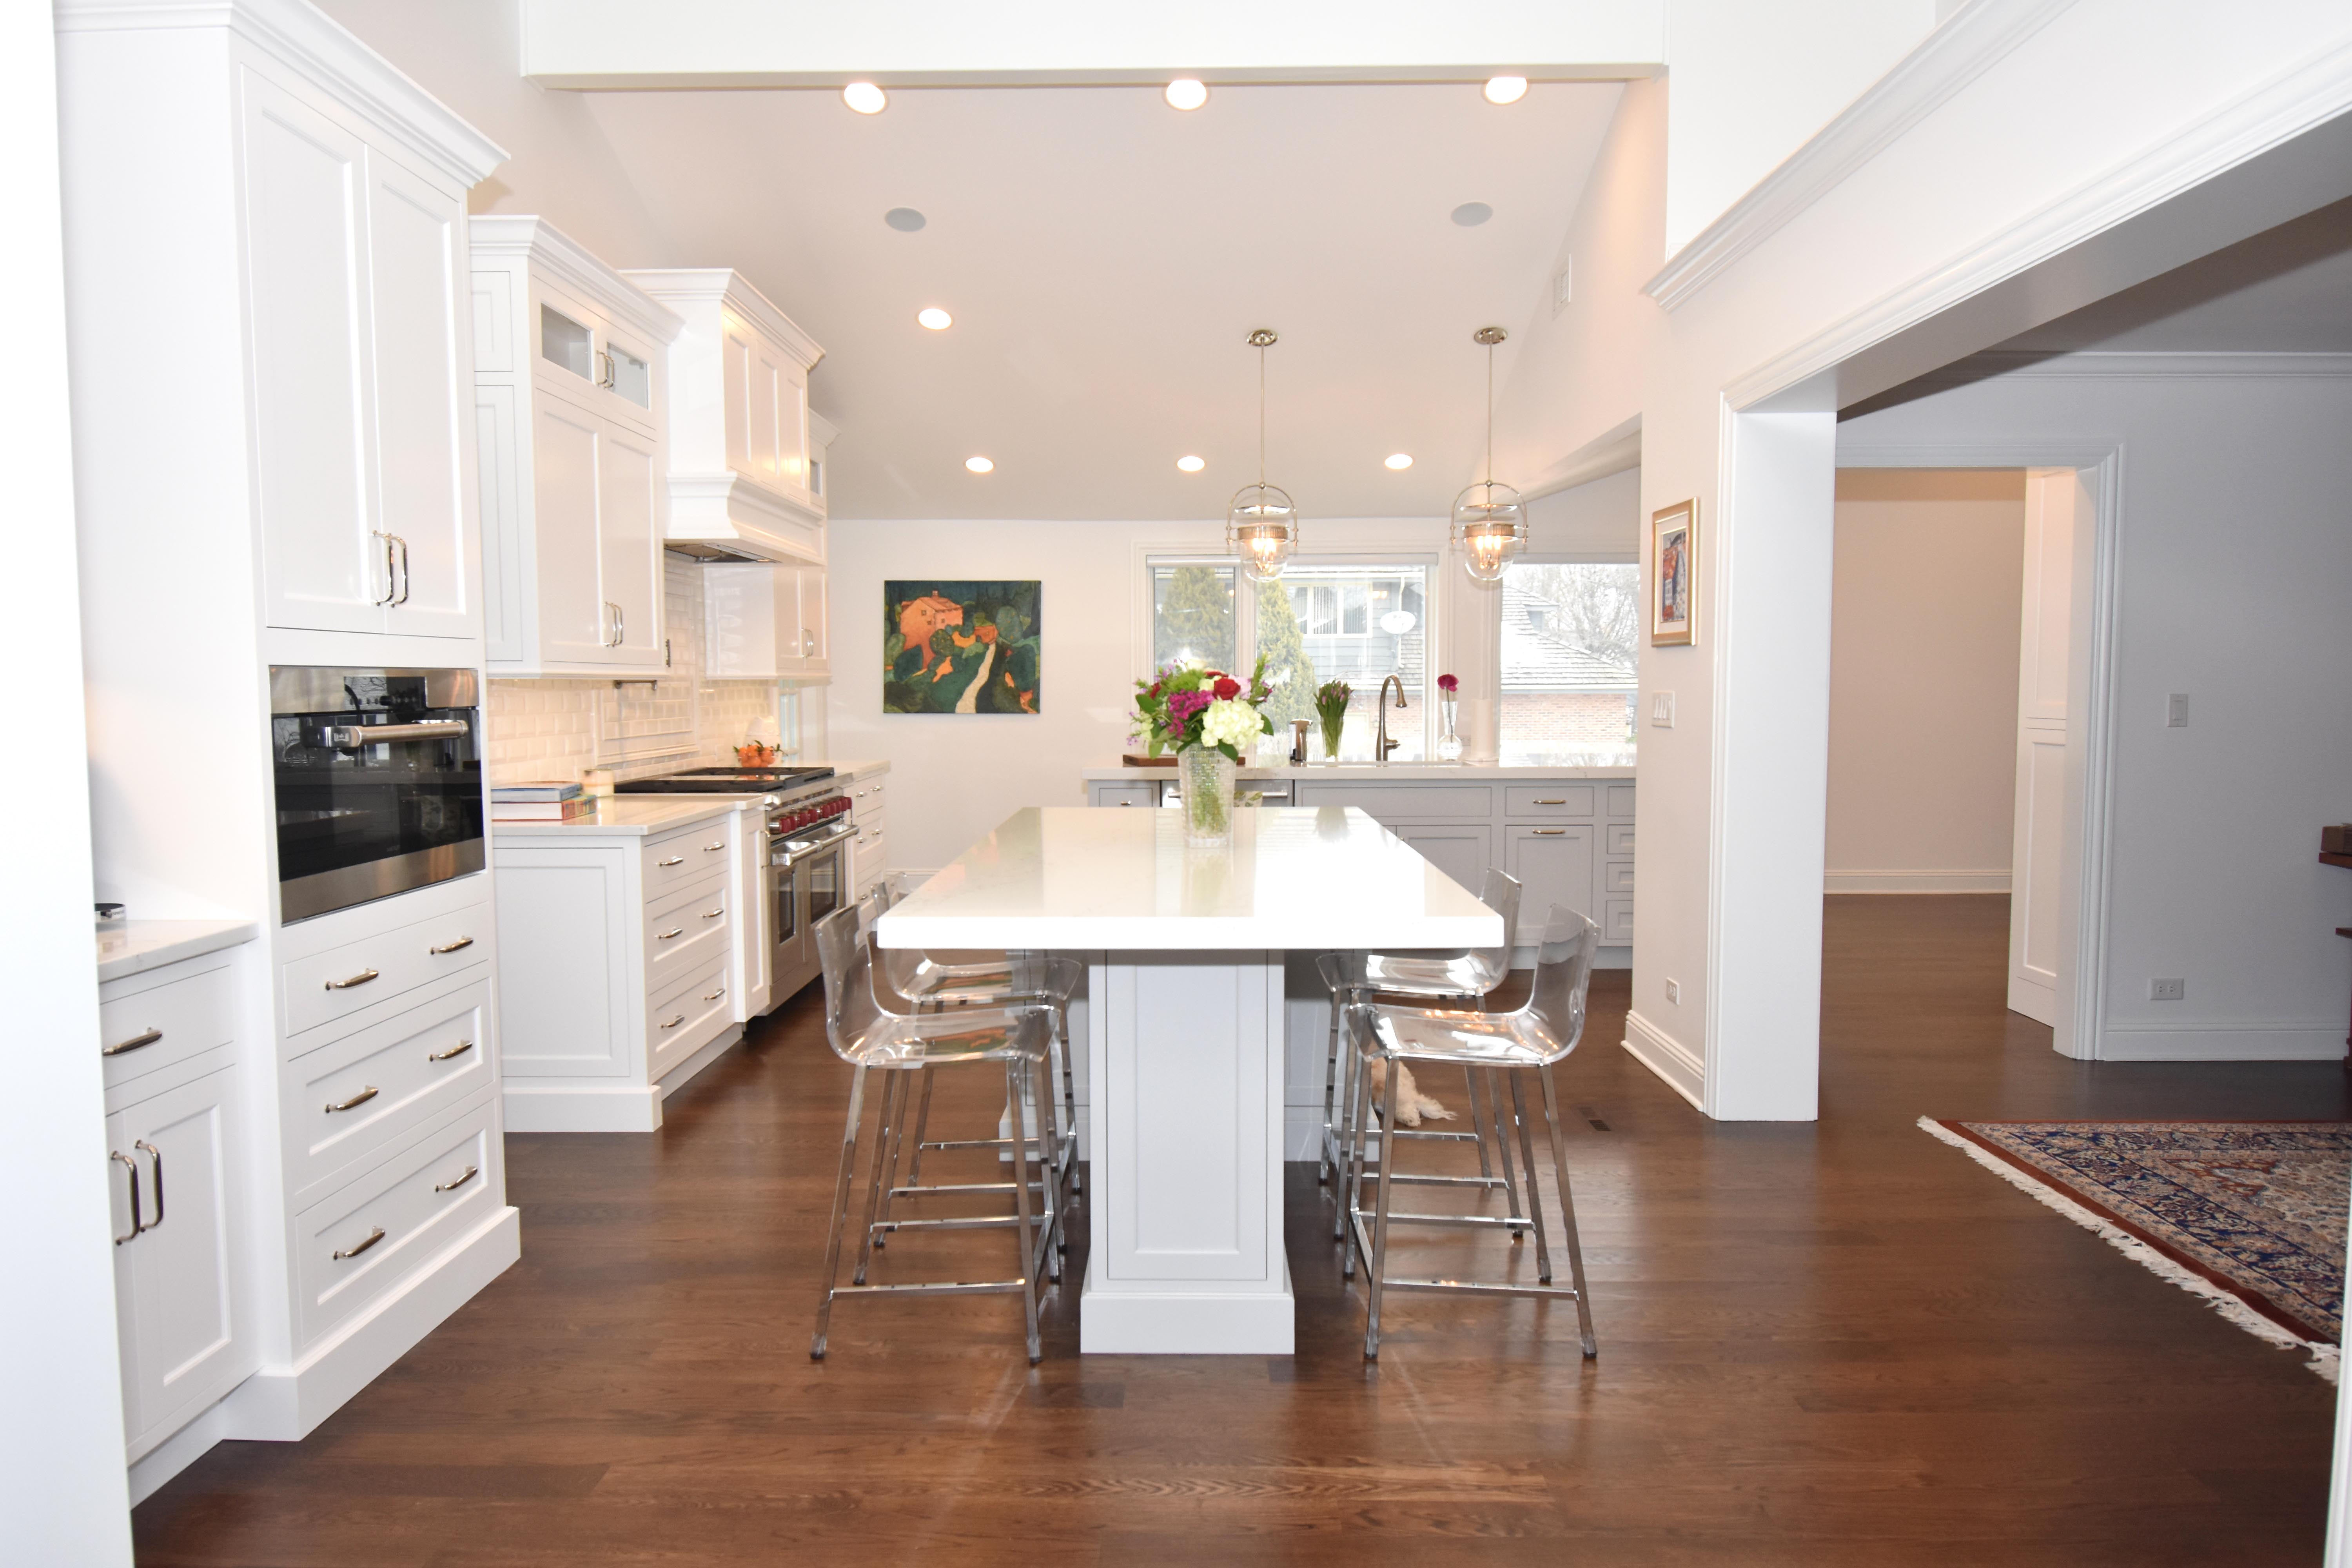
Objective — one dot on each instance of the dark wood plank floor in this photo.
(1831, 1343)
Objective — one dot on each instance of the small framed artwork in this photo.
(1674, 573)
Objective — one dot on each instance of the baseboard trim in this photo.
(1682, 1070)
(1523, 956)
(286, 1404)
(176, 1453)
(2222, 1042)
(1915, 882)
(675, 1078)
(583, 1107)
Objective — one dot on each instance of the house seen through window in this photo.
(1569, 636)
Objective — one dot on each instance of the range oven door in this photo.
(378, 779)
(788, 969)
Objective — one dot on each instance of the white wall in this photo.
(64, 1498)
(1602, 516)
(1923, 680)
(2233, 553)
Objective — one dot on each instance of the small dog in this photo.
(1411, 1105)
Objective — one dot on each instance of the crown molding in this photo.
(2097, 364)
(724, 286)
(1947, 59)
(524, 235)
(305, 38)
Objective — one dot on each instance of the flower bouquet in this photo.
(1206, 717)
(1332, 711)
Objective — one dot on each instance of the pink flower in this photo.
(1226, 687)
(1183, 705)
(1447, 684)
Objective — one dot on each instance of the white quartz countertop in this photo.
(844, 772)
(136, 946)
(1070, 877)
(1372, 772)
(631, 814)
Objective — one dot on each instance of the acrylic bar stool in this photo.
(1465, 976)
(871, 1037)
(1532, 1037)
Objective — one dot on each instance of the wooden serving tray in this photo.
(1132, 761)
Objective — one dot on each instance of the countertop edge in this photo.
(1369, 772)
(195, 938)
(685, 811)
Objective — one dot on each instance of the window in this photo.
(1193, 613)
(1569, 634)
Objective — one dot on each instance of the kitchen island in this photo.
(1185, 1030)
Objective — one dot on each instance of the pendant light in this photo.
(1490, 525)
(1261, 524)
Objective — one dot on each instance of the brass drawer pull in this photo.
(362, 1098)
(471, 1171)
(714, 996)
(714, 848)
(459, 1049)
(373, 1236)
(674, 930)
(361, 978)
(1549, 832)
(714, 914)
(463, 942)
(673, 1023)
(1551, 802)
(135, 1042)
(673, 861)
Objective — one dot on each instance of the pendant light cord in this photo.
(1490, 421)
(1261, 422)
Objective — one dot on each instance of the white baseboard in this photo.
(1915, 882)
(1179, 1321)
(1683, 1070)
(2221, 1040)
(675, 1078)
(583, 1107)
(177, 1452)
(285, 1404)
(1524, 957)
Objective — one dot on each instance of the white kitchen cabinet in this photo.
(570, 404)
(745, 480)
(870, 849)
(1463, 850)
(1554, 866)
(762, 620)
(823, 433)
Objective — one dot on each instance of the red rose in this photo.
(1227, 688)
(1155, 689)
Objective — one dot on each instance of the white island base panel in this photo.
(1184, 1201)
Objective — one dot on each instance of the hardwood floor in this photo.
(1839, 1343)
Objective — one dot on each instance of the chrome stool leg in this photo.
(1535, 1197)
(897, 1147)
(1014, 1073)
(1502, 1142)
(1352, 1194)
(840, 1210)
(1377, 1266)
(1567, 1213)
(922, 1126)
(894, 1094)
(1328, 1155)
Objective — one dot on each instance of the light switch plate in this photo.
(2175, 710)
(1661, 710)
(1563, 286)
(1675, 992)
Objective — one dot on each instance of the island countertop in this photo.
(1074, 877)
(635, 814)
(1372, 772)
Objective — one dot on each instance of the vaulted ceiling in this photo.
(1105, 256)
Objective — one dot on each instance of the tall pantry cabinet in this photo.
(257, 200)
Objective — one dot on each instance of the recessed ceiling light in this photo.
(1185, 93)
(979, 465)
(864, 98)
(1190, 465)
(906, 220)
(931, 316)
(1470, 215)
(1506, 89)
(1399, 460)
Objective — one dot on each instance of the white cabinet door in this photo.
(1463, 851)
(423, 384)
(575, 623)
(324, 566)
(629, 543)
(176, 1278)
(812, 620)
(751, 405)
(1554, 866)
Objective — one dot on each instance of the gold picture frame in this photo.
(1674, 574)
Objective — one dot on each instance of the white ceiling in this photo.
(1105, 256)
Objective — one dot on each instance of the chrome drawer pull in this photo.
(674, 930)
(1551, 802)
(1549, 832)
(136, 1042)
(463, 942)
(362, 1098)
(673, 1023)
(673, 861)
(714, 914)
(459, 1049)
(471, 1171)
(127, 1164)
(714, 996)
(156, 1155)
(373, 1236)
(714, 848)
(361, 978)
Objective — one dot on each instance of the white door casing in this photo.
(2038, 950)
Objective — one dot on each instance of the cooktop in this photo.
(724, 781)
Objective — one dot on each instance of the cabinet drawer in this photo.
(869, 856)
(1621, 802)
(676, 858)
(402, 1073)
(867, 800)
(1617, 921)
(162, 1018)
(343, 980)
(1539, 802)
(1617, 877)
(1474, 803)
(683, 1020)
(1619, 838)
(682, 929)
(1146, 792)
(394, 1219)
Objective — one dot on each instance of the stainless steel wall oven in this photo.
(378, 780)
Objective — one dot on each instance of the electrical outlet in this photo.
(2175, 710)
(1563, 286)
(1661, 710)
(1675, 992)
(2167, 990)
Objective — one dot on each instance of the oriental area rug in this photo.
(2249, 1215)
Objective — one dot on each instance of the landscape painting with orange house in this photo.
(959, 648)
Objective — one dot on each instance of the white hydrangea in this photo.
(1232, 722)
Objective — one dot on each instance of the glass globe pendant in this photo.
(1261, 521)
(1490, 524)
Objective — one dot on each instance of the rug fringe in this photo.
(2324, 1358)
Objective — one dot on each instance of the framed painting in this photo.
(959, 648)
(1674, 573)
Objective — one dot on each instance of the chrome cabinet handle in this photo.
(138, 1042)
(673, 861)
(130, 1166)
(808, 644)
(396, 539)
(620, 626)
(156, 1155)
(362, 1098)
(714, 848)
(389, 583)
(606, 376)
(1547, 832)
(714, 996)
(674, 930)
(471, 1171)
(714, 914)
(459, 1049)
(373, 1236)
(361, 978)
(461, 943)
(673, 1023)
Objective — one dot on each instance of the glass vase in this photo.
(1449, 744)
(1335, 726)
(1208, 790)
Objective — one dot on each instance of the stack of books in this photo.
(540, 803)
